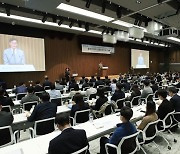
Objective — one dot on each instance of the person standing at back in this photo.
(70, 140)
(43, 110)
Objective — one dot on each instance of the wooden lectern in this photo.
(104, 71)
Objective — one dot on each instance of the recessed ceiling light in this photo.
(138, 2)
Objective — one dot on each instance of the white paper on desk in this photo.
(18, 151)
(98, 125)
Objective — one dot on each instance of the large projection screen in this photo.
(21, 54)
(139, 58)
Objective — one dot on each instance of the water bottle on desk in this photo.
(91, 117)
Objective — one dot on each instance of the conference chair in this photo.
(135, 101)
(6, 136)
(20, 96)
(80, 117)
(165, 125)
(149, 97)
(39, 93)
(47, 87)
(176, 117)
(105, 109)
(82, 151)
(42, 127)
(148, 134)
(28, 105)
(127, 145)
(119, 103)
(6, 108)
(57, 101)
(85, 88)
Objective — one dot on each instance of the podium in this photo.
(104, 71)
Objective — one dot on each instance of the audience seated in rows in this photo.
(38, 87)
(43, 110)
(53, 92)
(91, 90)
(119, 94)
(75, 90)
(125, 128)
(79, 104)
(6, 118)
(82, 80)
(46, 82)
(107, 81)
(4, 101)
(147, 89)
(21, 88)
(101, 100)
(70, 140)
(30, 97)
(72, 84)
(135, 92)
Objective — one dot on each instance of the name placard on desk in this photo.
(16, 68)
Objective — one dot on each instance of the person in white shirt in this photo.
(113, 85)
(53, 92)
(91, 90)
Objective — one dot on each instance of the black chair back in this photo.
(6, 108)
(27, 106)
(57, 101)
(135, 100)
(82, 117)
(120, 103)
(45, 127)
(5, 136)
(20, 96)
(39, 93)
(109, 109)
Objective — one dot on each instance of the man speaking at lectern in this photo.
(13, 55)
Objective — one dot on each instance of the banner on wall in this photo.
(97, 49)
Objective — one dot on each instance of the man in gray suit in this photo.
(147, 89)
(6, 118)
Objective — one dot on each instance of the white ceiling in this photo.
(148, 8)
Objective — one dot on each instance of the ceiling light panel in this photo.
(83, 12)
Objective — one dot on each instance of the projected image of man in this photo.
(140, 59)
(13, 55)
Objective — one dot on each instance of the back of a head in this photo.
(73, 80)
(78, 98)
(62, 119)
(126, 112)
(92, 77)
(146, 83)
(114, 81)
(90, 84)
(172, 89)
(46, 77)
(152, 82)
(30, 89)
(135, 87)
(21, 83)
(150, 107)
(57, 81)
(45, 97)
(98, 78)
(86, 80)
(119, 86)
(106, 77)
(76, 87)
(162, 93)
(100, 92)
(37, 82)
(52, 87)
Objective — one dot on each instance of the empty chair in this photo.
(20, 96)
(42, 127)
(57, 101)
(127, 145)
(28, 105)
(6, 136)
(80, 117)
(81, 151)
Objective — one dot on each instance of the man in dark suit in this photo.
(119, 94)
(5, 100)
(43, 110)
(38, 87)
(165, 107)
(70, 140)
(6, 118)
(47, 82)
